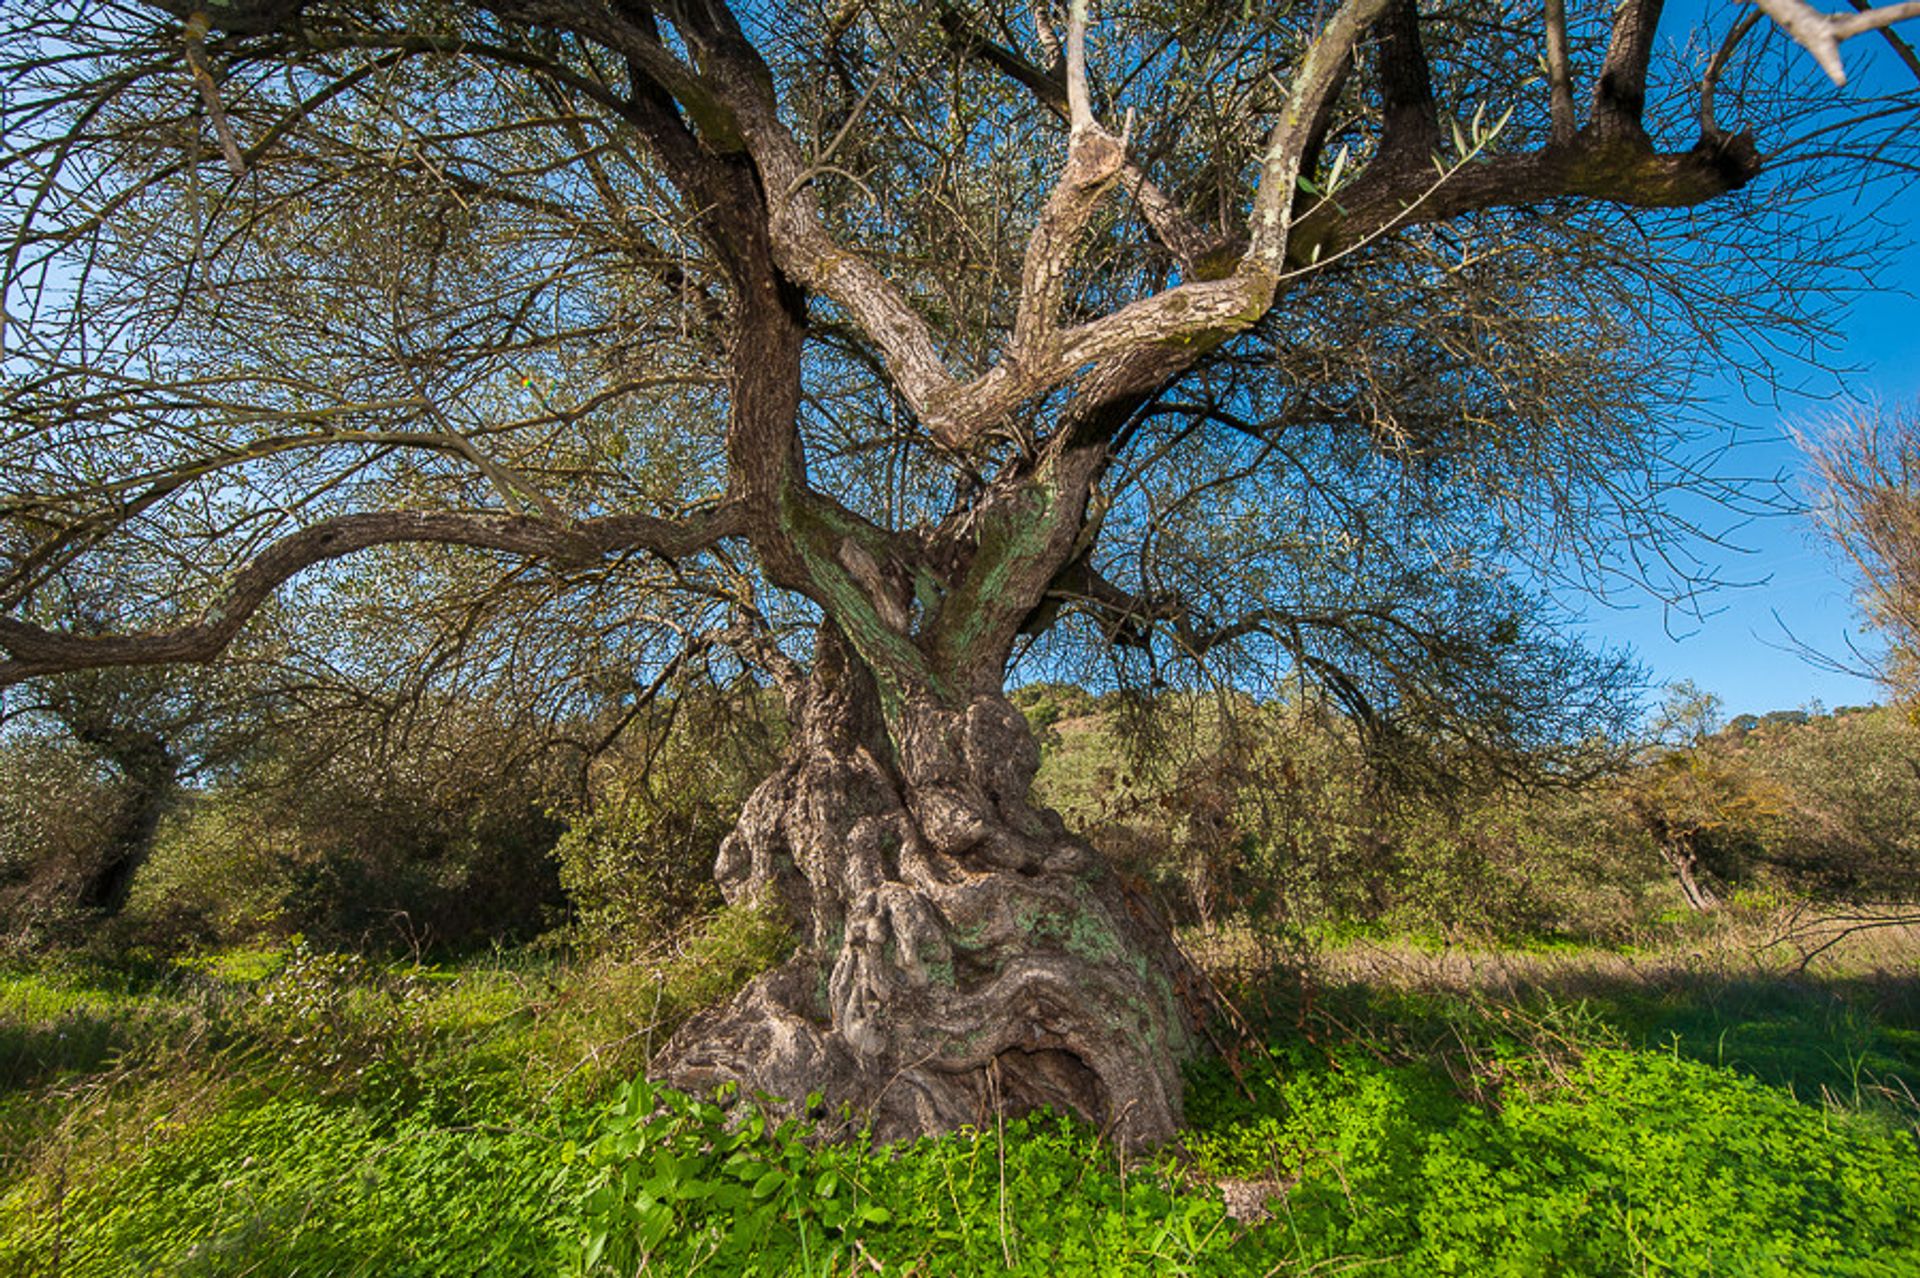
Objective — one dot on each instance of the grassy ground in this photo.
(1696, 1106)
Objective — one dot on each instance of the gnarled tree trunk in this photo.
(961, 952)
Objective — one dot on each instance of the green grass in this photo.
(285, 1185)
(1703, 1127)
(1637, 1162)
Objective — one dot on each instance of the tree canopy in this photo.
(1311, 362)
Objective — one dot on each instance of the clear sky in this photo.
(1740, 650)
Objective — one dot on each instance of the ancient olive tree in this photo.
(868, 344)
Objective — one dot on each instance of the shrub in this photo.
(1046, 704)
(1852, 823)
(637, 862)
(434, 842)
(1276, 818)
(221, 873)
(638, 866)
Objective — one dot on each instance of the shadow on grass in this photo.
(1851, 1040)
(1838, 1037)
(82, 1040)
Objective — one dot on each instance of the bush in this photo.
(637, 863)
(221, 873)
(1275, 818)
(442, 842)
(1046, 704)
(1851, 828)
(638, 866)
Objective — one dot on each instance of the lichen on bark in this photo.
(977, 958)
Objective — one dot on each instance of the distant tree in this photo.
(1709, 818)
(1688, 715)
(868, 346)
(1867, 498)
(149, 728)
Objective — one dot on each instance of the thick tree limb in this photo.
(1186, 240)
(33, 650)
(1559, 74)
(1632, 175)
(1901, 49)
(1094, 160)
(1620, 94)
(1410, 131)
(728, 92)
(955, 412)
(195, 39)
(1317, 76)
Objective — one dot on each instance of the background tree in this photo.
(877, 347)
(1867, 476)
(146, 730)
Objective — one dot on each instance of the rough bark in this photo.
(961, 954)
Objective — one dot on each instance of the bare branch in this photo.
(1620, 95)
(195, 38)
(1094, 159)
(1079, 110)
(1820, 33)
(1716, 67)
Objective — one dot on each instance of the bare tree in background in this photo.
(869, 345)
(1867, 473)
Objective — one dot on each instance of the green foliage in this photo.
(295, 1185)
(1641, 1161)
(1277, 819)
(311, 1111)
(221, 872)
(639, 866)
(669, 1173)
(637, 863)
(1046, 704)
(1625, 1161)
(333, 1018)
(288, 1108)
(1850, 825)
(55, 1023)
(60, 805)
(438, 843)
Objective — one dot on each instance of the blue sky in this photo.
(1739, 650)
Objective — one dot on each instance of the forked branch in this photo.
(1821, 33)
